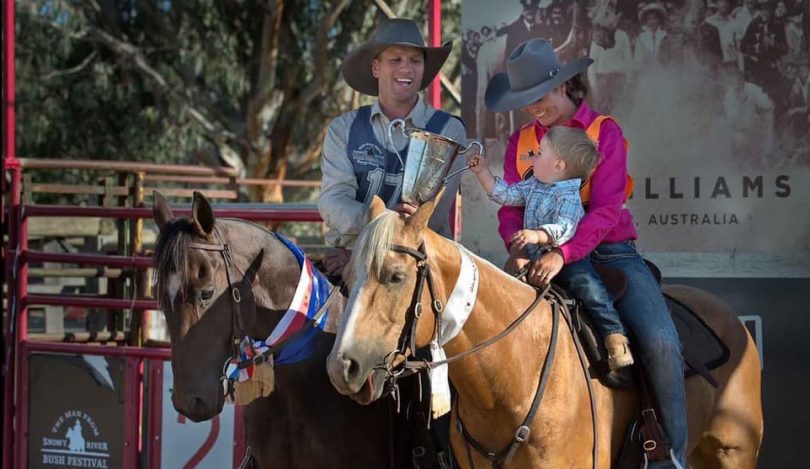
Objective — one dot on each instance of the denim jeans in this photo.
(583, 283)
(644, 311)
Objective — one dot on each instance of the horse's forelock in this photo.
(171, 257)
(373, 243)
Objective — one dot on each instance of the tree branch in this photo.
(327, 23)
(72, 70)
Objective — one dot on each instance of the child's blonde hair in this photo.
(575, 148)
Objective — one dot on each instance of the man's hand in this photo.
(525, 237)
(335, 261)
(545, 268)
(405, 209)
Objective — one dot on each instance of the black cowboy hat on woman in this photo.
(553, 93)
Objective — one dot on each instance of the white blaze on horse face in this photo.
(345, 335)
(173, 286)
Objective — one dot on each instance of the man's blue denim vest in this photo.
(377, 169)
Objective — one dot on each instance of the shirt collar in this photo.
(416, 118)
(569, 184)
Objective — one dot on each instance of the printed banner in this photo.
(712, 96)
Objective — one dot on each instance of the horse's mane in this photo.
(373, 243)
(170, 256)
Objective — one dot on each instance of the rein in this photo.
(238, 333)
(407, 341)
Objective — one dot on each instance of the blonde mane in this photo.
(373, 243)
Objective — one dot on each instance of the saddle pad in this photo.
(697, 339)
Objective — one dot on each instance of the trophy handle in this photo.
(391, 125)
(473, 144)
(461, 152)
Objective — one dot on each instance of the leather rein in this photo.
(407, 347)
(237, 328)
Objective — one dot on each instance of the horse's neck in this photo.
(503, 374)
(277, 277)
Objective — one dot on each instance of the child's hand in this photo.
(525, 237)
(477, 163)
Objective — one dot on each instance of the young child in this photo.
(553, 210)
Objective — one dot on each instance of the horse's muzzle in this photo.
(344, 372)
(196, 408)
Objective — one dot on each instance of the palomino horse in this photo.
(496, 384)
(304, 422)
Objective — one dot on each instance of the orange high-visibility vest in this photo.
(529, 147)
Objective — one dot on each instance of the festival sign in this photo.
(76, 412)
(713, 101)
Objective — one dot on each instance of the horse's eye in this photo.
(207, 294)
(396, 277)
(201, 273)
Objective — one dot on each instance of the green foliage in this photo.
(172, 81)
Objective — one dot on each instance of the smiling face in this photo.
(552, 109)
(399, 70)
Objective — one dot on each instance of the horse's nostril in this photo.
(195, 404)
(352, 367)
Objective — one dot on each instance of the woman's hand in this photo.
(545, 268)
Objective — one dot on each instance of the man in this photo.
(523, 28)
(762, 46)
(359, 161)
(723, 20)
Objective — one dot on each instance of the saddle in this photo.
(703, 350)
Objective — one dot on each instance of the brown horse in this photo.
(304, 423)
(495, 385)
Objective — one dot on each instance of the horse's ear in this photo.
(202, 215)
(419, 220)
(376, 208)
(161, 212)
(253, 268)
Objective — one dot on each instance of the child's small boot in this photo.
(618, 349)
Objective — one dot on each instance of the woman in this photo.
(553, 95)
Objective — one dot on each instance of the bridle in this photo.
(237, 328)
(396, 364)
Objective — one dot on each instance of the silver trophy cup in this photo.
(428, 162)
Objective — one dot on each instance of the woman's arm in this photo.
(607, 195)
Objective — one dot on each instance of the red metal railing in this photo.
(16, 383)
(134, 355)
(16, 258)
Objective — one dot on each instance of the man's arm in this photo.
(339, 210)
